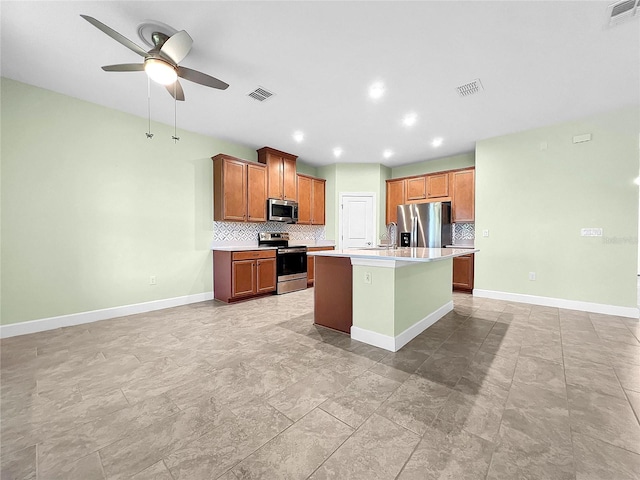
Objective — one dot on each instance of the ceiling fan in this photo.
(161, 62)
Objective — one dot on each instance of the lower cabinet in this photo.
(311, 263)
(239, 275)
(463, 273)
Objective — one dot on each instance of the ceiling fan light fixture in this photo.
(160, 71)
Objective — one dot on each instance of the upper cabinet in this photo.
(281, 173)
(395, 197)
(416, 188)
(456, 186)
(311, 200)
(239, 190)
(437, 185)
(464, 194)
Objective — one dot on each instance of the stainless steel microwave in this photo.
(282, 210)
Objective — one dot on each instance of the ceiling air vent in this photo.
(621, 11)
(470, 88)
(260, 94)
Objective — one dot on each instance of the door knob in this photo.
(368, 243)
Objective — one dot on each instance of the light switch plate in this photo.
(485, 233)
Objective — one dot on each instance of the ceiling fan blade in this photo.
(124, 67)
(179, 93)
(201, 78)
(115, 35)
(177, 46)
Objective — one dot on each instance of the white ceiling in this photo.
(540, 62)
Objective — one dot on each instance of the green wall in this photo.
(306, 169)
(91, 208)
(437, 165)
(535, 190)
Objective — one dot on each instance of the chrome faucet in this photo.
(392, 235)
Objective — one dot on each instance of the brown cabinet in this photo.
(311, 263)
(415, 188)
(463, 204)
(395, 197)
(238, 275)
(463, 273)
(281, 173)
(437, 185)
(311, 198)
(455, 186)
(239, 190)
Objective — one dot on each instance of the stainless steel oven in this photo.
(291, 262)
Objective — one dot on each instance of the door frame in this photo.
(374, 213)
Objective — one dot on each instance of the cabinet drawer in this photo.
(319, 249)
(251, 254)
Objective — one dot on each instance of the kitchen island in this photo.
(383, 297)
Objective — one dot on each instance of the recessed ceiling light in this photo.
(337, 152)
(376, 90)
(410, 119)
(298, 136)
(436, 142)
(387, 153)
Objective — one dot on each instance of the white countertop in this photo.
(240, 248)
(245, 246)
(403, 254)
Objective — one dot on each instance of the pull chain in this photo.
(175, 113)
(149, 134)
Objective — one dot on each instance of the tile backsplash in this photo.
(248, 232)
(463, 231)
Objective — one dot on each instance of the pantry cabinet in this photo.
(243, 274)
(239, 190)
(281, 173)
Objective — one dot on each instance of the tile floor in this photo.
(494, 390)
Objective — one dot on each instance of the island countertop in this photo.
(403, 254)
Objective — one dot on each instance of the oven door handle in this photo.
(292, 250)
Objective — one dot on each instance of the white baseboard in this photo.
(51, 323)
(393, 344)
(630, 312)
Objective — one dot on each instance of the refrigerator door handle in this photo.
(414, 231)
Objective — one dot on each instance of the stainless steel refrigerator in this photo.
(425, 225)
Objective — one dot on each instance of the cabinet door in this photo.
(256, 193)
(243, 278)
(311, 268)
(266, 275)
(463, 204)
(395, 197)
(416, 188)
(234, 186)
(438, 185)
(463, 273)
(274, 172)
(304, 200)
(289, 184)
(317, 207)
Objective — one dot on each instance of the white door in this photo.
(357, 220)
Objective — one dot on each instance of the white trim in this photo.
(377, 262)
(393, 344)
(51, 323)
(374, 212)
(417, 328)
(631, 312)
(373, 338)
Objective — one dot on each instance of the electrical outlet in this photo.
(152, 280)
(532, 275)
(367, 277)
(485, 233)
